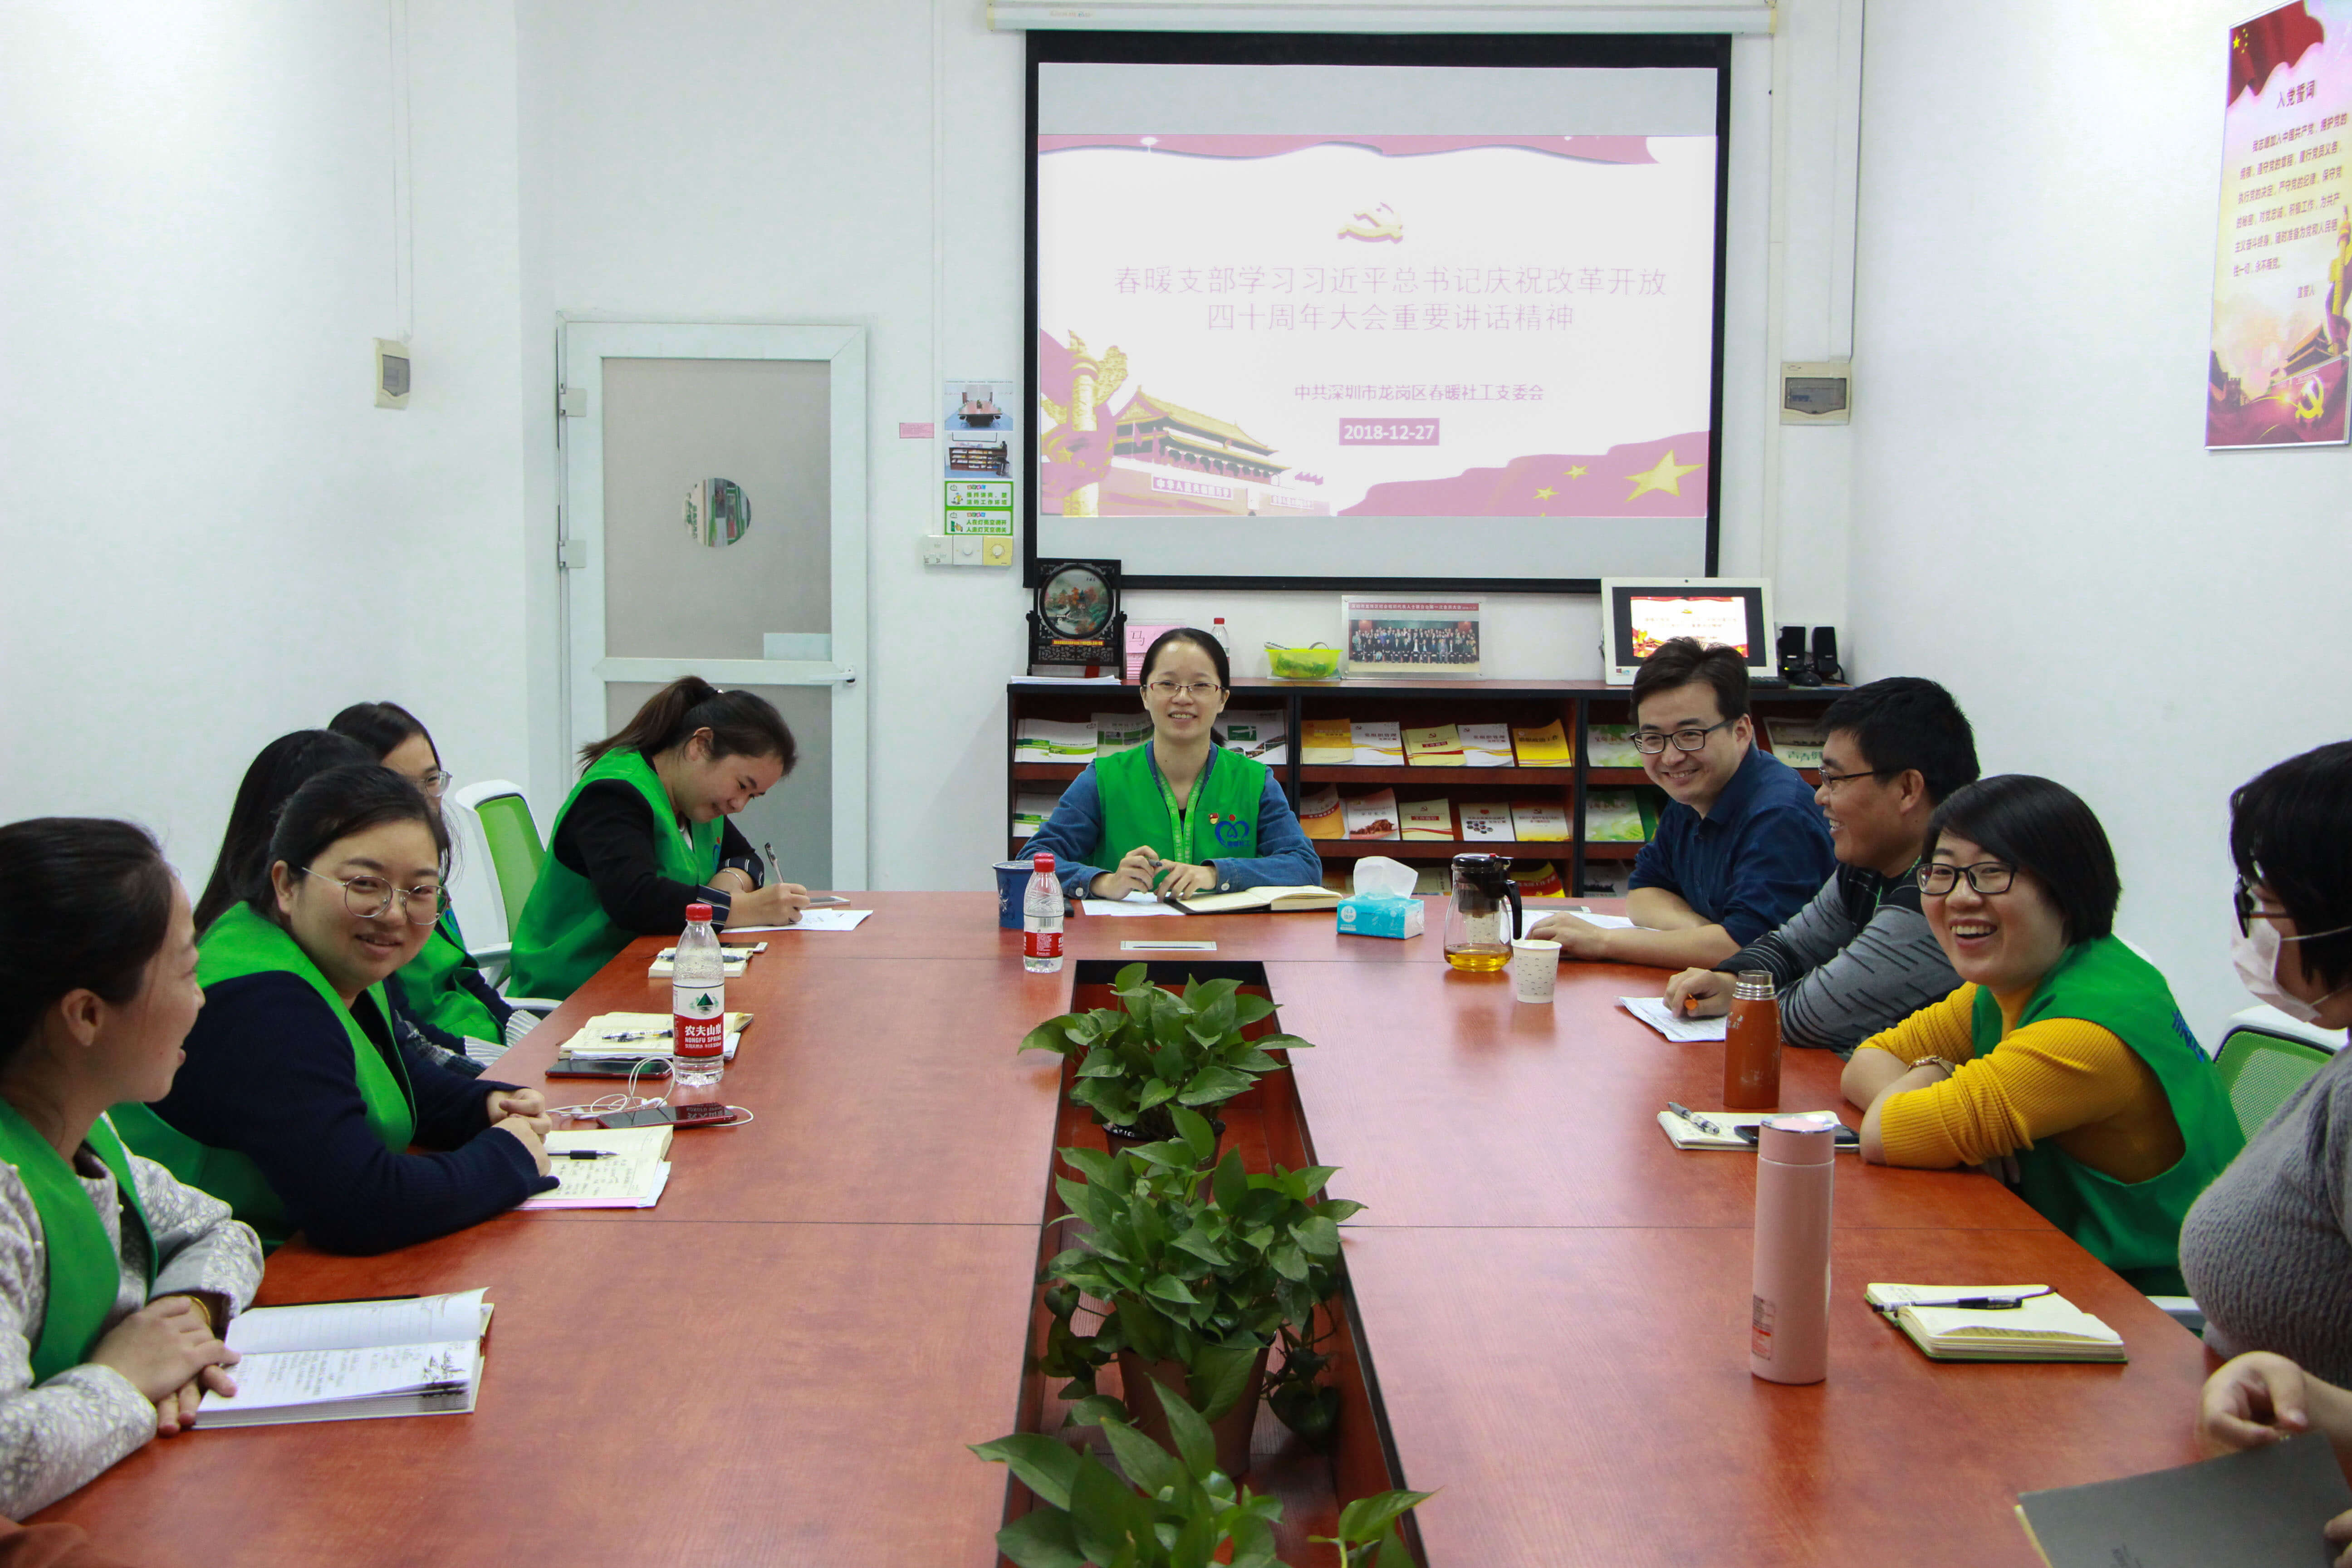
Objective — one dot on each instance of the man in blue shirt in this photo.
(1741, 846)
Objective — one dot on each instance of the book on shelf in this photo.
(1539, 821)
(1117, 732)
(1609, 746)
(1433, 882)
(1796, 741)
(2043, 1326)
(2263, 1508)
(1275, 901)
(1259, 734)
(1486, 746)
(1326, 742)
(1054, 740)
(1535, 879)
(1320, 813)
(1613, 816)
(1434, 747)
(632, 1178)
(1031, 807)
(1486, 820)
(350, 1361)
(1542, 746)
(1372, 815)
(1427, 819)
(1376, 743)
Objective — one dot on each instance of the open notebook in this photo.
(2041, 1327)
(1281, 900)
(631, 1179)
(346, 1360)
(634, 1035)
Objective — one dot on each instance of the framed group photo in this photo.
(1411, 636)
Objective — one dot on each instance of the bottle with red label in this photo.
(697, 1005)
(1041, 919)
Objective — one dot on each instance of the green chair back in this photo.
(2259, 1069)
(516, 851)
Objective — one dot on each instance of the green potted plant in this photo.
(1175, 1509)
(1197, 1278)
(1158, 1050)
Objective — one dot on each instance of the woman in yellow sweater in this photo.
(2061, 1064)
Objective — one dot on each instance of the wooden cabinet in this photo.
(1575, 704)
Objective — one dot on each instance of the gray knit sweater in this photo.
(2267, 1252)
(1856, 959)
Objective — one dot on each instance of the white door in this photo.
(714, 524)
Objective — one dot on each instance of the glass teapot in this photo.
(1478, 930)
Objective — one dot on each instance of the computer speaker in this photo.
(1825, 657)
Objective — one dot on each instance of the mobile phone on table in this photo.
(569, 1065)
(672, 1116)
(1847, 1138)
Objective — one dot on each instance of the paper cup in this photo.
(1535, 969)
(1011, 888)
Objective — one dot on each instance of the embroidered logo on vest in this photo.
(1230, 831)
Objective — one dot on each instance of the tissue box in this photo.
(1360, 916)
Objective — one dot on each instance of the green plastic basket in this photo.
(1302, 663)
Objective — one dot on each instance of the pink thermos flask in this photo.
(1788, 1337)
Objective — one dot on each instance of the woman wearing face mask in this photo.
(2062, 1060)
(442, 987)
(2268, 1249)
(645, 833)
(1180, 815)
(297, 1105)
(116, 1281)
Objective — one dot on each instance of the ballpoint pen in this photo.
(1694, 1119)
(1972, 1303)
(775, 868)
(582, 1154)
(622, 1039)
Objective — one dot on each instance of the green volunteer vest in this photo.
(2132, 1227)
(564, 935)
(432, 986)
(84, 1273)
(239, 943)
(1221, 814)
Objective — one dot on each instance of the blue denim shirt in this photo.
(1286, 857)
(1753, 861)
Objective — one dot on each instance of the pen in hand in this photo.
(775, 868)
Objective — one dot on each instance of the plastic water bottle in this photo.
(698, 1003)
(1041, 919)
(1224, 638)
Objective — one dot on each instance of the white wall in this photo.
(2037, 524)
(720, 159)
(210, 535)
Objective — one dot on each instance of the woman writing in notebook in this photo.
(2061, 1062)
(116, 1281)
(645, 833)
(1180, 815)
(442, 987)
(297, 1105)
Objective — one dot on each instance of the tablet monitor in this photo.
(1639, 613)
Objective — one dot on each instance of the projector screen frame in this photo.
(1687, 50)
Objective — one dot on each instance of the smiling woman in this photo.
(644, 835)
(298, 1103)
(2062, 1060)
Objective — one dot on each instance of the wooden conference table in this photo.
(779, 1364)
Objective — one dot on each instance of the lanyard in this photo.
(1179, 819)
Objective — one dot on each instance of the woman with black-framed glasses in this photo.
(298, 1101)
(2061, 1062)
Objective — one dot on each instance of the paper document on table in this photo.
(632, 1179)
(279, 1379)
(1133, 904)
(1652, 1011)
(633, 1035)
(339, 1325)
(828, 919)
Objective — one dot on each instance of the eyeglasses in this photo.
(1987, 877)
(2250, 910)
(434, 783)
(370, 897)
(1198, 691)
(1650, 742)
(1831, 780)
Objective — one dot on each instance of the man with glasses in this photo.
(1861, 958)
(1739, 848)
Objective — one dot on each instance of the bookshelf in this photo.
(1574, 704)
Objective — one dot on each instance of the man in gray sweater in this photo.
(1860, 957)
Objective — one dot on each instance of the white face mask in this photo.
(2256, 955)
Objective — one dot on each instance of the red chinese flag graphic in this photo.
(2269, 42)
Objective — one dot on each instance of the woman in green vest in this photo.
(116, 1281)
(644, 833)
(298, 1103)
(1181, 814)
(2061, 1063)
(442, 987)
